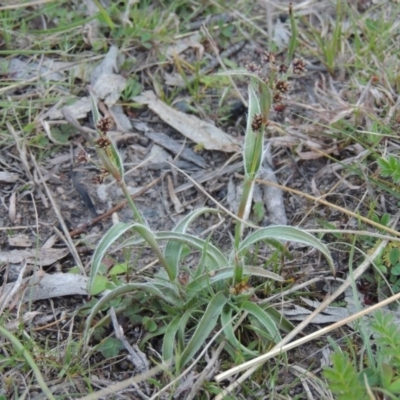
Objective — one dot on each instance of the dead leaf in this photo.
(8, 177)
(182, 45)
(109, 88)
(42, 257)
(46, 286)
(27, 69)
(200, 132)
(108, 66)
(20, 241)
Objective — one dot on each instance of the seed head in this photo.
(82, 157)
(282, 86)
(277, 96)
(282, 69)
(298, 66)
(104, 125)
(257, 122)
(268, 58)
(103, 142)
(254, 68)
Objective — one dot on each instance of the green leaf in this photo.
(114, 233)
(216, 257)
(395, 270)
(343, 378)
(253, 147)
(386, 374)
(385, 219)
(204, 328)
(259, 211)
(226, 320)
(287, 233)
(100, 283)
(95, 110)
(173, 249)
(145, 288)
(394, 387)
(149, 324)
(169, 338)
(280, 320)
(264, 318)
(119, 269)
(394, 256)
(110, 347)
(256, 271)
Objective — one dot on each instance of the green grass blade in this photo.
(29, 359)
(204, 328)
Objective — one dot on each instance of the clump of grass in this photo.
(188, 304)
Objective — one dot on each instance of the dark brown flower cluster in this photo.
(98, 179)
(298, 66)
(257, 122)
(82, 157)
(103, 142)
(104, 125)
(276, 77)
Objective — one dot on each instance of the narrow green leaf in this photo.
(226, 320)
(204, 328)
(263, 318)
(173, 249)
(252, 154)
(95, 110)
(215, 255)
(114, 233)
(281, 322)
(256, 271)
(208, 279)
(287, 233)
(169, 338)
